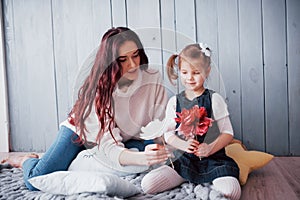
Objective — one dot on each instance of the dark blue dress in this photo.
(207, 169)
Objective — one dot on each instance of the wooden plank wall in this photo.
(30, 72)
(293, 60)
(256, 62)
(252, 71)
(3, 94)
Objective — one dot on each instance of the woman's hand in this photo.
(155, 154)
(204, 150)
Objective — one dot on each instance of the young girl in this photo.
(119, 96)
(203, 158)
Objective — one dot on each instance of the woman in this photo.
(119, 96)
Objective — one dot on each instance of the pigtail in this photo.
(171, 64)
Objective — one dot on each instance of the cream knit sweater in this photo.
(144, 101)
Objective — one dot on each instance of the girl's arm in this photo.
(225, 137)
(188, 146)
(205, 150)
(223, 140)
(221, 115)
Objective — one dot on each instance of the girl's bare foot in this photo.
(17, 161)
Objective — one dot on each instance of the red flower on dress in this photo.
(193, 121)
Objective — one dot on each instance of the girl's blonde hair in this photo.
(192, 51)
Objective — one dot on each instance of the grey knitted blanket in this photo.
(12, 187)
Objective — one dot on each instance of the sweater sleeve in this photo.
(112, 149)
(170, 115)
(161, 99)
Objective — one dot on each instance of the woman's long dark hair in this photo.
(99, 85)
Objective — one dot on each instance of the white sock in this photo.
(229, 186)
(161, 179)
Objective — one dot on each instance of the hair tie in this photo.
(205, 49)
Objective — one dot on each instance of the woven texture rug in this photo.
(12, 187)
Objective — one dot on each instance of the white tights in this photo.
(229, 186)
(161, 179)
(165, 178)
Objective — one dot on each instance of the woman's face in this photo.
(129, 59)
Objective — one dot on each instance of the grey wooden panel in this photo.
(168, 35)
(143, 17)
(185, 26)
(242, 34)
(275, 74)
(185, 23)
(293, 44)
(119, 17)
(75, 36)
(4, 120)
(252, 83)
(207, 32)
(31, 82)
(101, 18)
(229, 60)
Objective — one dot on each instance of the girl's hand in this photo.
(154, 154)
(190, 146)
(203, 150)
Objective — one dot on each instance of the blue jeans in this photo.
(57, 158)
(139, 144)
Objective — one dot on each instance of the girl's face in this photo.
(129, 59)
(193, 75)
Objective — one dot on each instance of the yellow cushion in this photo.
(247, 160)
